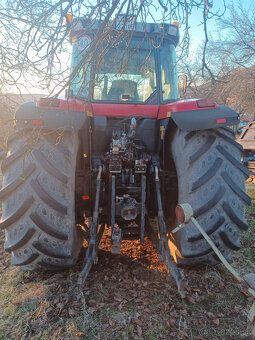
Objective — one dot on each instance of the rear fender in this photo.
(30, 116)
(210, 118)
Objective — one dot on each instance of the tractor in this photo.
(121, 151)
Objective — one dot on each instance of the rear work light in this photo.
(49, 102)
(173, 29)
(206, 103)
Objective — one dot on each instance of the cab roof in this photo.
(167, 31)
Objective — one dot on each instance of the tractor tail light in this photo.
(221, 121)
(85, 198)
(49, 102)
(37, 122)
(201, 103)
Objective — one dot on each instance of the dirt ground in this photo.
(127, 296)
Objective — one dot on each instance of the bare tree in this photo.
(231, 60)
(236, 43)
(231, 86)
(34, 34)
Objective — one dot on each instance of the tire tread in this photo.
(17, 214)
(48, 167)
(15, 184)
(46, 198)
(46, 228)
(21, 242)
(207, 176)
(204, 148)
(9, 160)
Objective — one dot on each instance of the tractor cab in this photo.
(137, 66)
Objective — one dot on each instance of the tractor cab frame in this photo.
(138, 66)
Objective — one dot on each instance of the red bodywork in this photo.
(125, 110)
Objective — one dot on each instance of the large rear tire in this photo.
(38, 210)
(211, 179)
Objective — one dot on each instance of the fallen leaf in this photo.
(216, 321)
(124, 336)
(139, 330)
(183, 333)
(221, 284)
(171, 323)
(238, 309)
(184, 312)
(91, 310)
(210, 315)
(196, 290)
(173, 335)
(190, 299)
(72, 312)
(92, 302)
(48, 310)
(210, 293)
(111, 322)
(251, 315)
(118, 298)
(251, 318)
(138, 322)
(80, 334)
(60, 305)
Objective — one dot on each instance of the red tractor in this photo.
(121, 151)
